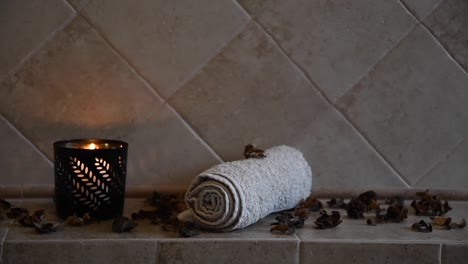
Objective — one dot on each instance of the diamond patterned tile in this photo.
(411, 106)
(421, 8)
(449, 23)
(78, 87)
(20, 162)
(166, 41)
(336, 42)
(251, 93)
(24, 26)
(450, 173)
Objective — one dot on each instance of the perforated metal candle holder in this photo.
(90, 177)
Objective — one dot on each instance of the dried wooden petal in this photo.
(283, 229)
(250, 152)
(334, 203)
(79, 221)
(424, 195)
(422, 226)
(397, 199)
(47, 227)
(441, 221)
(187, 232)
(17, 212)
(4, 204)
(87, 219)
(74, 220)
(369, 222)
(460, 225)
(368, 197)
(430, 205)
(297, 222)
(284, 217)
(26, 221)
(328, 221)
(39, 216)
(123, 224)
(313, 204)
(355, 208)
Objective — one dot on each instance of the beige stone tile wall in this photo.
(373, 92)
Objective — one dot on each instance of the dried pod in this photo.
(187, 232)
(79, 221)
(17, 212)
(422, 226)
(26, 221)
(123, 224)
(297, 222)
(355, 208)
(430, 205)
(283, 229)
(47, 227)
(460, 225)
(368, 197)
(337, 204)
(250, 152)
(74, 220)
(313, 204)
(424, 195)
(284, 217)
(369, 222)
(4, 204)
(87, 219)
(39, 216)
(328, 221)
(397, 199)
(302, 213)
(395, 213)
(441, 221)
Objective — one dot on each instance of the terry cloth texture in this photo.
(236, 194)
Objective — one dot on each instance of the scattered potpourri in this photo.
(166, 209)
(250, 152)
(430, 205)
(328, 221)
(123, 224)
(395, 212)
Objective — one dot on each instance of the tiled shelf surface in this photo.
(351, 242)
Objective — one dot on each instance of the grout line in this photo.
(441, 160)
(440, 253)
(322, 94)
(2, 242)
(41, 44)
(195, 134)
(202, 65)
(423, 25)
(22, 136)
(360, 78)
(151, 89)
(78, 7)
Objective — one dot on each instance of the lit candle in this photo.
(91, 146)
(90, 177)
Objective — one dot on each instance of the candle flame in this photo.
(92, 146)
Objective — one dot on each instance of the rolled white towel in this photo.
(236, 194)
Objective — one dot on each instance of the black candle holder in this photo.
(90, 177)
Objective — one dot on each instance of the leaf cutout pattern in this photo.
(85, 184)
